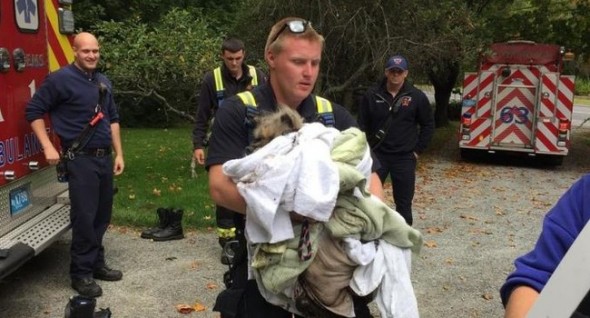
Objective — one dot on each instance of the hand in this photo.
(118, 165)
(199, 155)
(51, 155)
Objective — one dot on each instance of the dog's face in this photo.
(271, 125)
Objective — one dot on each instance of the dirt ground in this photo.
(476, 217)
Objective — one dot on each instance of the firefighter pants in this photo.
(91, 197)
(224, 218)
(401, 168)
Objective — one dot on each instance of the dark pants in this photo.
(224, 217)
(91, 197)
(402, 170)
(253, 305)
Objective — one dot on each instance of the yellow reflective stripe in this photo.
(218, 80)
(323, 105)
(226, 233)
(247, 98)
(253, 74)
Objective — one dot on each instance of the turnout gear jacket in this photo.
(209, 101)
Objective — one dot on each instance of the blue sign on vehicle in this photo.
(20, 199)
(468, 102)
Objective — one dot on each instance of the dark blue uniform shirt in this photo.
(70, 97)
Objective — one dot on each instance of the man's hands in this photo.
(118, 165)
(51, 155)
(199, 155)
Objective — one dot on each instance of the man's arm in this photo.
(51, 154)
(224, 191)
(203, 115)
(375, 186)
(521, 300)
(119, 164)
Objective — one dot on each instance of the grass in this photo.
(582, 100)
(157, 174)
(442, 136)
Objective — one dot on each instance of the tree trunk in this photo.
(443, 77)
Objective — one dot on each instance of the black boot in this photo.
(80, 307)
(173, 231)
(103, 313)
(163, 219)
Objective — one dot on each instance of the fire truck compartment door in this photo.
(514, 113)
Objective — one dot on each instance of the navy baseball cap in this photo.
(397, 61)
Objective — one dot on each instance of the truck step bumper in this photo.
(33, 236)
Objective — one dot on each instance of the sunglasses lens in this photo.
(297, 26)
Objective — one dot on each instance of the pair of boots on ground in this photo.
(169, 228)
(83, 307)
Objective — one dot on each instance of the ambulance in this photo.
(518, 101)
(35, 39)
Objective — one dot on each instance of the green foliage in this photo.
(582, 86)
(157, 70)
(157, 174)
(89, 13)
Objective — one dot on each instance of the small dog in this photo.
(271, 125)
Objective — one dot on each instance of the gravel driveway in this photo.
(475, 218)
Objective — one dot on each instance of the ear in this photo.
(287, 120)
(270, 59)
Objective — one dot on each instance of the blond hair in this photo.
(276, 45)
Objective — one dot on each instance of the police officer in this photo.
(70, 96)
(293, 53)
(232, 77)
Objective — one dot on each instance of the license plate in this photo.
(20, 199)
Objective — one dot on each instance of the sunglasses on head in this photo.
(295, 26)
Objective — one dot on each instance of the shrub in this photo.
(157, 70)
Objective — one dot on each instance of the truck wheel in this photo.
(552, 160)
(470, 154)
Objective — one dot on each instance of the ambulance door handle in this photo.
(33, 165)
(4, 60)
(18, 55)
(8, 174)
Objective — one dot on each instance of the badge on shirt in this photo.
(406, 101)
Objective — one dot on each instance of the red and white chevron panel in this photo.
(478, 87)
(514, 111)
(557, 105)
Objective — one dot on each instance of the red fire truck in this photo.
(34, 210)
(518, 101)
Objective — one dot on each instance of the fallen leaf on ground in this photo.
(184, 309)
(433, 229)
(199, 307)
(468, 217)
(211, 286)
(430, 244)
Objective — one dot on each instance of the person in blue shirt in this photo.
(561, 226)
(70, 96)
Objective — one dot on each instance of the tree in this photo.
(361, 36)
(157, 70)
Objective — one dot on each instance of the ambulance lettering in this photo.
(13, 150)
